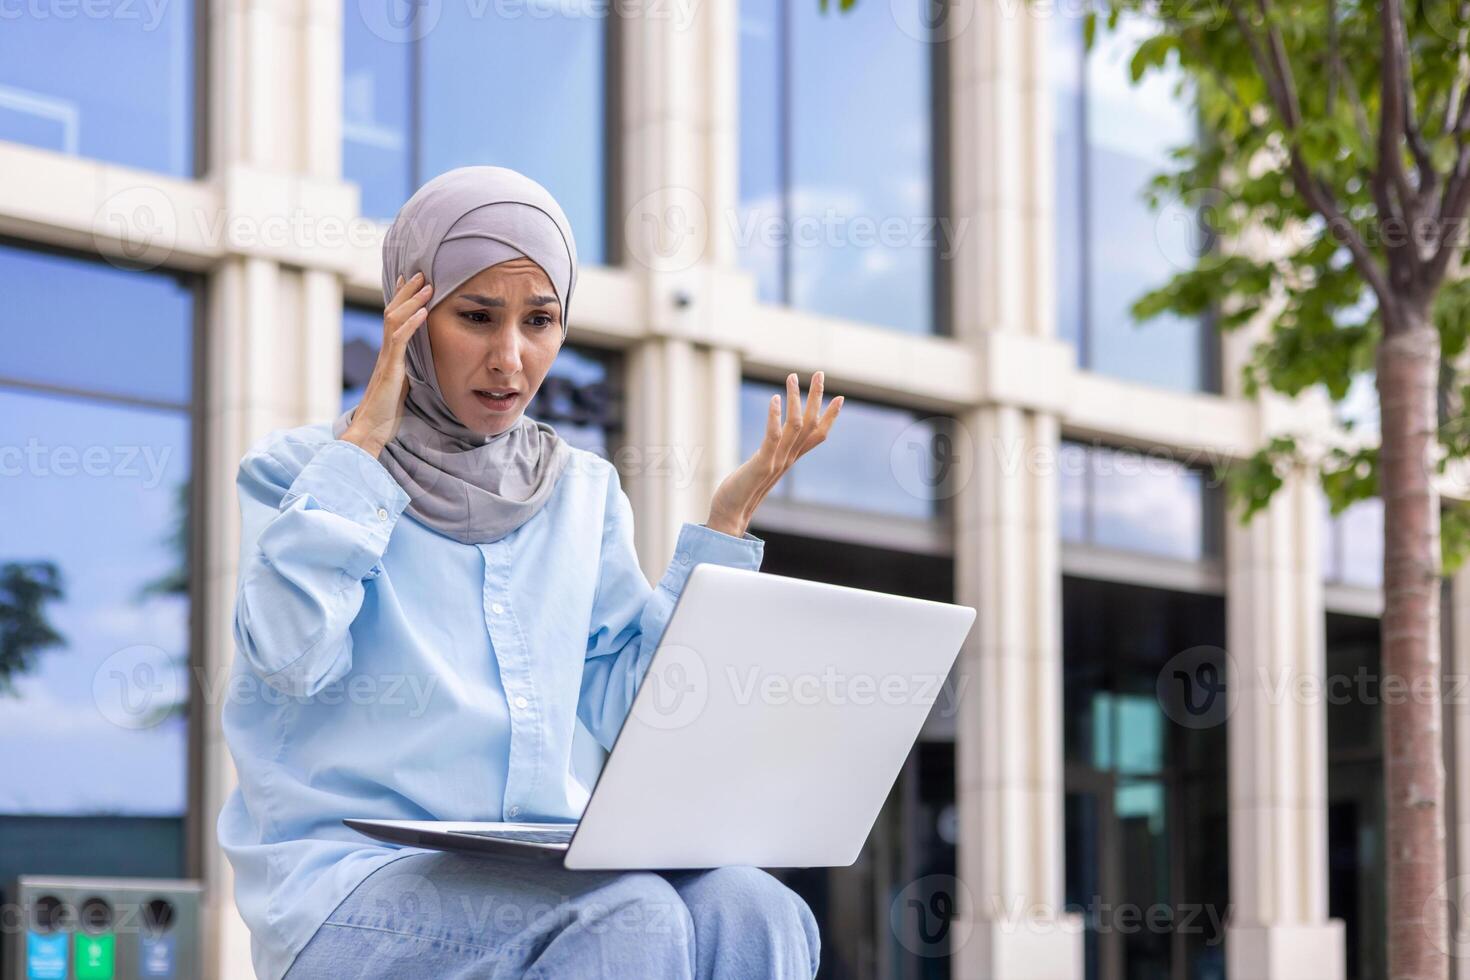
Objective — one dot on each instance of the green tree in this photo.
(25, 588)
(1340, 130)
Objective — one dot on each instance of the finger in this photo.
(413, 299)
(819, 432)
(814, 400)
(795, 421)
(409, 297)
(402, 289)
(417, 308)
(793, 404)
(416, 319)
(773, 422)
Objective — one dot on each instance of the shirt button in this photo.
(514, 811)
(497, 608)
(382, 514)
(521, 701)
(683, 557)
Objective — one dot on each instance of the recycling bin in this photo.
(74, 928)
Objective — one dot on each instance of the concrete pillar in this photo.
(679, 185)
(1009, 751)
(681, 438)
(1277, 735)
(272, 353)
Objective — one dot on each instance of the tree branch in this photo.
(1450, 219)
(1360, 111)
(1318, 195)
(1391, 129)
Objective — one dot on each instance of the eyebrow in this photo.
(483, 300)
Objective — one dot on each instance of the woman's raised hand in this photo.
(376, 420)
(742, 491)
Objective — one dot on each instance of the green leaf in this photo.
(1151, 53)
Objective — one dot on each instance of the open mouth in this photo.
(497, 400)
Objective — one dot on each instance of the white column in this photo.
(1009, 738)
(1277, 734)
(677, 139)
(273, 338)
(1010, 791)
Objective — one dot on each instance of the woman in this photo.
(435, 667)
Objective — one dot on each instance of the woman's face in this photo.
(498, 332)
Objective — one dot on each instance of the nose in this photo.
(503, 355)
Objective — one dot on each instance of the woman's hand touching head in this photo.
(499, 332)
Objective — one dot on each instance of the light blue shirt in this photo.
(384, 670)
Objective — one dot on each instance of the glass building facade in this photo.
(1077, 518)
(110, 84)
(838, 216)
(1112, 137)
(422, 93)
(97, 445)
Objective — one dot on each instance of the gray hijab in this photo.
(472, 487)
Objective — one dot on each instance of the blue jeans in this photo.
(451, 916)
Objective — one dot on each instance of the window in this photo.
(1142, 502)
(905, 478)
(1146, 815)
(376, 116)
(429, 95)
(96, 452)
(1352, 544)
(1112, 137)
(114, 83)
(1356, 823)
(837, 211)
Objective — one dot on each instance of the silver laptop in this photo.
(774, 719)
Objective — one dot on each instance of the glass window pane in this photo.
(1146, 503)
(1328, 541)
(856, 466)
(841, 221)
(362, 336)
(86, 324)
(1072, 492)
(577, 398)
(762, 181)
(1130, 130)
(1360, 528)
(551, 129)
(1140, 734)
(1065, 64)
(118, 87)
(92, 705)
(376, 94)
(862, 207)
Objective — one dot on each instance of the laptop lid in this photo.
(774, 719)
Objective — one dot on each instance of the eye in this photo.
(476, 316)
(542, 320)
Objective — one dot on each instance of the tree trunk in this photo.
(1408, 371)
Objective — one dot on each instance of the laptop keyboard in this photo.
(530, 836)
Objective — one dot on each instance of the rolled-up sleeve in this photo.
(310, 535)
(629, 615)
